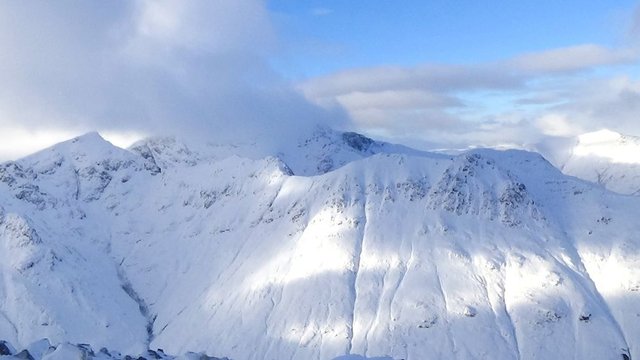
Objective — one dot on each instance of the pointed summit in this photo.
(91, 136)
(80, 152)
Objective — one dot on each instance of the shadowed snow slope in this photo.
(337, 245)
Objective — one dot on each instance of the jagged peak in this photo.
(162, 152)
(91, 142)
(155, 141)
(90, 146)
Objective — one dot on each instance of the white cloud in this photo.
(203, 26)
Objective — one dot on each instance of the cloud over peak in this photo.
(195, 67)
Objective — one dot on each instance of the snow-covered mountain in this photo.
(334, 245)
(605, 157)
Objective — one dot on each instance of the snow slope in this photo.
(335, 245)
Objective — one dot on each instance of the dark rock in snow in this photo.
(6, 348)
(201, 356)
(24, 354)
(585, 317)
(357, 141)
(86, 349)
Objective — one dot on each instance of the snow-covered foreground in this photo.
(44, 350)
(335, 248)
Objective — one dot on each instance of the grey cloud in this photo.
(397, 99)
(593, 104)
(626, 102)
(573, 58)
(426, 77)
(611, 104)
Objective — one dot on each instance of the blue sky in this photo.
(324, 36)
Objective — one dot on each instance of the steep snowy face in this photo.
(607, 158)
(336, 245)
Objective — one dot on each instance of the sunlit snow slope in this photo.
(336, 245)
(607, 158)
